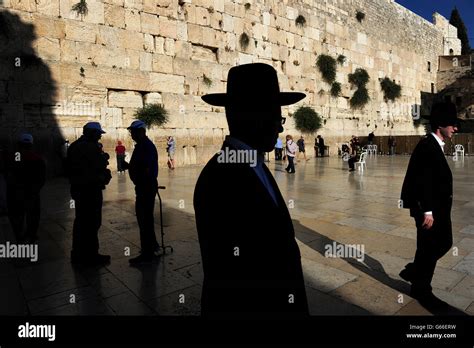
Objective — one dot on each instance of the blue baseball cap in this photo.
(94, 125)
(137, 124)
(26, 138)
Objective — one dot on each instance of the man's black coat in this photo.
(252, 264)
(428, 184)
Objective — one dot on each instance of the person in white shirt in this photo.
(291, 149)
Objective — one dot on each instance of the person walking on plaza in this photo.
(171, 149)
(370, 138)
(301, 148)
(143, 171)
(26, 173)
(291, 149)
(88, 176)
(321, 145)
(428, 192)
(279, 150)
(120, 154)
(391, 145)
(251, 262)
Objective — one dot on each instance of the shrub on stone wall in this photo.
(244, 41)
(80, 8)
(152, 114)
(307, 120)
(360, 16)
(359, 78)
(341, 59)
(247, 6)
(207, 81)
(391, 90)
(336, 89)
(327, 67)
(300, 21)
(360, 98)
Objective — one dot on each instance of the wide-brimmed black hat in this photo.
(252, 87)
(444, 114)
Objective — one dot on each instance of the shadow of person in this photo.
(27, 91)
(251, 261)
(369, 265)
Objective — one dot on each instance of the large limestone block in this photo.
(80, 31)
(203, 17)
(169, 47)
(23, 5)
(131, 40)
(46, 26)
(150, 23)
(211, 37)
(166, 83)
(219, 5)
(153, 98)
(124, 99)
(68, 51)
(109, 36)
(168, 28)
(182, 31)
(163, 63)
(187, 67)
(183, 49)
(195, 33)
(202, 53)
(114, 16)
(48, 48)
(134, 4)
(146, 60)
(48, 7)
(149, 43)
(132, 19)
(111, 117)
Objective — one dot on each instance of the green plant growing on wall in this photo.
(327, 67)
(359, 77)
(336, 89)
(391, 90)
(80, 8)
(152, 114)
(360, 98)
(81, 72)
(307, 120)
(341, 59)
(360, 16)
(300, 21)
(244, 41)
(207, 81)
(247, 6)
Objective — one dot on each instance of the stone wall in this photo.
(124, 53)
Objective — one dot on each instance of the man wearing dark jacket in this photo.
(88, 175)
(252, 264)
(26, 171)
(143, 171)
(428, 193)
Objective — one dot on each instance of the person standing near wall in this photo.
(26, 173)
(279, 150)
(171, 149)
(120, 154)
(291, 149)
(88, 175)
(143, 171)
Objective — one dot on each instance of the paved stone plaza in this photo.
(329, 206)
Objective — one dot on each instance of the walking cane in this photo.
(163, 246)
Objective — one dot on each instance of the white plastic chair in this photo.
(459, 149)
(361, 161)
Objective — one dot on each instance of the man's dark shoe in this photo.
(142, 259)
(428, 300)
(405, 274)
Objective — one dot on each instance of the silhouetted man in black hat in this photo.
(428, 193)
(252, 264)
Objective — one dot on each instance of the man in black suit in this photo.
(428, 193)
(251, 261)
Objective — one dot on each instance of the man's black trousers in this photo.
(144, 209)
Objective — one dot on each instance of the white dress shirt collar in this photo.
(440, 142)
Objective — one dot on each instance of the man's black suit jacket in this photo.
(251, 261)
(428, 184)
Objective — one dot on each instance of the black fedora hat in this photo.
(444, 114)
(252, 87)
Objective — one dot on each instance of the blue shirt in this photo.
(279, 144)
(239, 145)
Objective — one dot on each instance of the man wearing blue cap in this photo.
(143, 171)
(428, 192)
(88, 175)
(26, 173)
